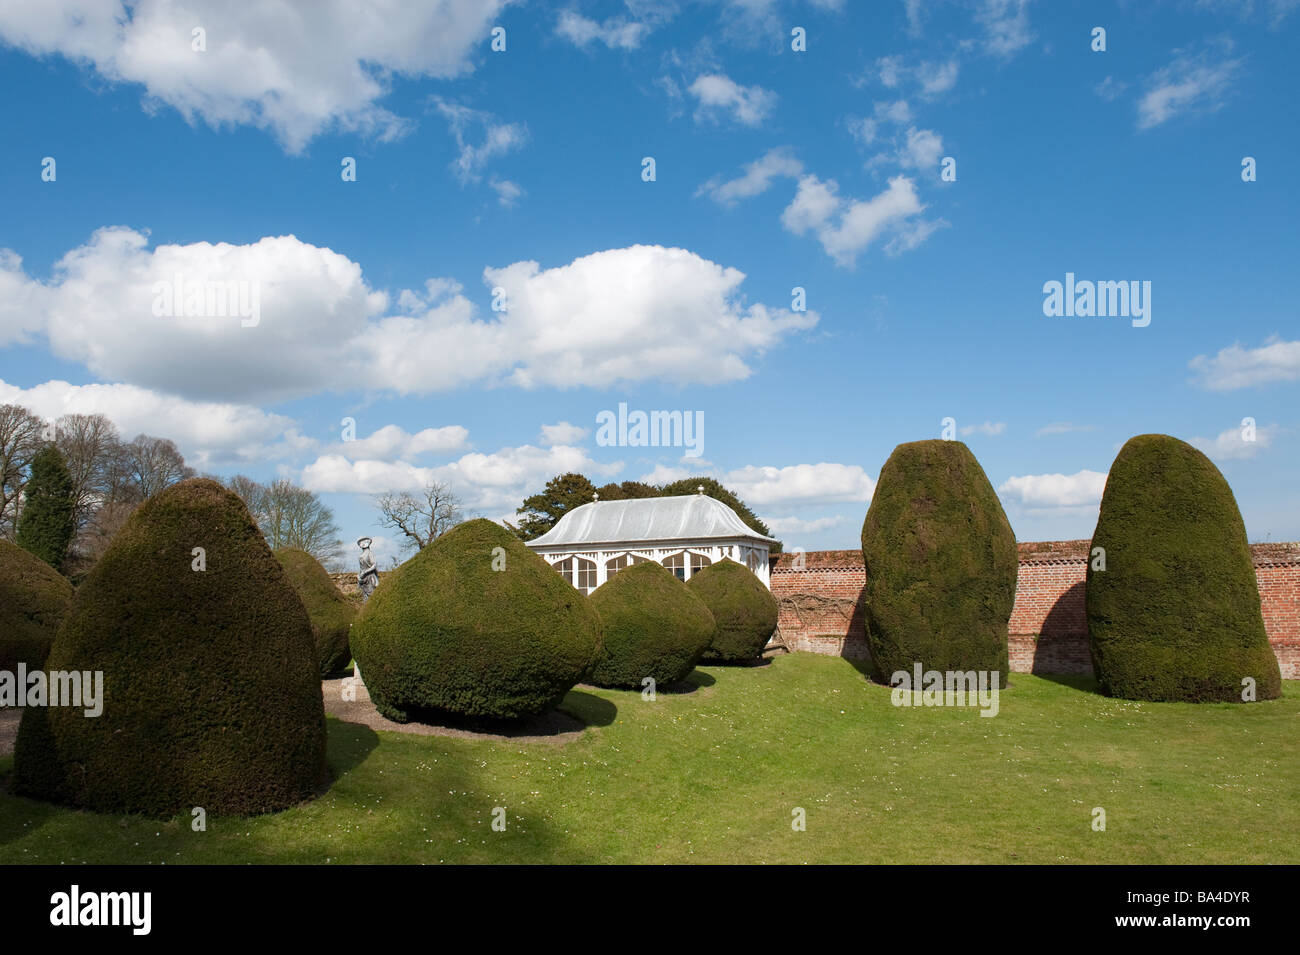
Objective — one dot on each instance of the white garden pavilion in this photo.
(595, 541)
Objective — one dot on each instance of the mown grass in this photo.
(713, 775)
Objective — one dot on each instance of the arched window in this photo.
(615, 564)
(579, 572)
(698, 563)
(677, 564)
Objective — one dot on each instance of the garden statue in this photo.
(368, 576)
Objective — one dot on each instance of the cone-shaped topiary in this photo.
(744, 609)
(330, 612)
(941, 563)
(211, 691)
(1175, 614)
(654, 627)
(476, 625)
(34, 598)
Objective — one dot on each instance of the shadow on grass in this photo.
(577, 711)
(695, 680)
(1085, 684)
(348, 746)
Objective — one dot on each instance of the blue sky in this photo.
(522, 170)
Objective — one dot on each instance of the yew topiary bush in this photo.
(34, 598)
(211, 688)
(744, 609)
(1175, 614)
(474, 625)
(331, 613)
(654, 627)
(941, 563)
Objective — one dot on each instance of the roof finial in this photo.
(699, 488)
(595, 495)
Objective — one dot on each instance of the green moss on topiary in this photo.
(34, 598)
(745, 610)
(331, 613)
(449, 633)
(941, 563)
(211, 689)
(1176, 613)
(654, 627)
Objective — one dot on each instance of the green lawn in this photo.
(713, 775)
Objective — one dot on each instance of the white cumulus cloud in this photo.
(208, 433)
(845, 227)
(293, 67)
(632, 314)
(1236, 367)
(1055, 491)
(756, 179)
(719, 96)
(1237, 444)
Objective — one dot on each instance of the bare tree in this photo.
(91, 447)
(153, 464)
(422, 518)
(20, 438)
(251, 493)
(292, 516)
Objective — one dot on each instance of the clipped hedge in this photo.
(211, 689)
(1175, 615)
(34, 599)
(654, 627)
(744, 609)
(330, 612)
(941, 563)
(449, 634)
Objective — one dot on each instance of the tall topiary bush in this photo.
(211, 689)
(1175, 614)
(941, 563)
(34, 599)
(654, 627)
(330, 612)
(476, 625)
(46, 525)
(745, 610)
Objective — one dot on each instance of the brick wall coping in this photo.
(1031, 552)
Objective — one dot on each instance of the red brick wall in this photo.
(821, 605)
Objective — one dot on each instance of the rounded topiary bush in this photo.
(475, 625)
(940, 561)
(1175, 615)
(654, 627)
(211, 689)
(743, 608)
(34, 598)
(330, 612)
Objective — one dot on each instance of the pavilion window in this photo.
(579, 572)
(677, 564)
(698, 563)
(614, 565)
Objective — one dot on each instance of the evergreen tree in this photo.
(48, 520)
(540, 512)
